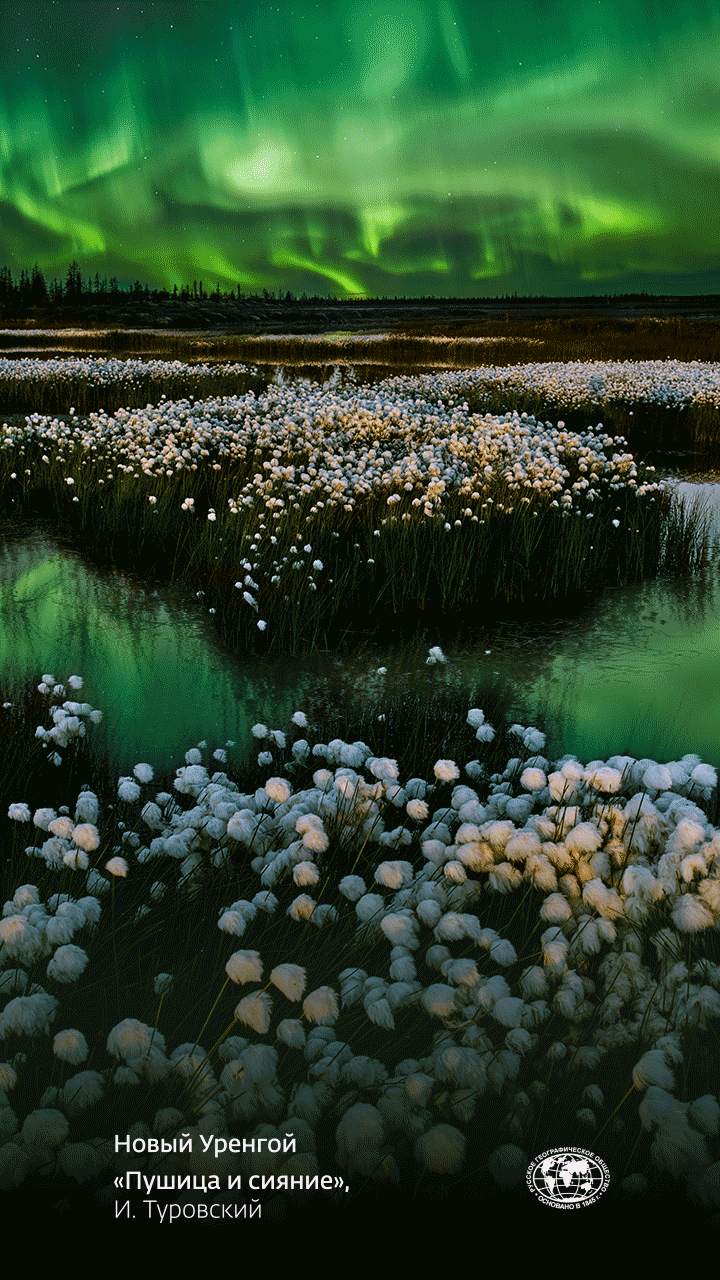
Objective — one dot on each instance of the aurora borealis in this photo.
(376, 147)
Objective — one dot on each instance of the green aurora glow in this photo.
(374, 147)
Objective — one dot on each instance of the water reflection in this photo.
(150, 661)
(634, 671)
(637, 672)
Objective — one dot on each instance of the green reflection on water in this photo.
(635, 671)
(149, 661)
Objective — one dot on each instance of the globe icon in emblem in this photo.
(568, 1179)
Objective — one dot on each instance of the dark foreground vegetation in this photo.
(564, 1079)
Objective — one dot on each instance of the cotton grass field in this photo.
(407, 975)
(289, 507)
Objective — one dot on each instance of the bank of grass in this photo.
(341, 576)
(58, 386)
(587, 337)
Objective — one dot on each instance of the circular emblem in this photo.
(568, 1177)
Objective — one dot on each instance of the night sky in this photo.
(377, 147)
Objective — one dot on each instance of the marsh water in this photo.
(634, 670)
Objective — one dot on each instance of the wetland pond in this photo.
(634, 670)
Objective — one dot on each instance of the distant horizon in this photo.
(417, 148)
(74, 289)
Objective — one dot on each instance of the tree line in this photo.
(32, 291)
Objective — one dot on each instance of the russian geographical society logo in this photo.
(568, 1177)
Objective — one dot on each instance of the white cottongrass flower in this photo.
(352, 887)
(321, 1006)
(305, 874)
(86, 836)
(383, 768)
(143, 772)
(278, 789)
(657, 778)
(485, 733)
(240, 827)
(556, 909)
(44, 1128)
(584, 838)
(19, 813)
(439, 1000)
(81, 1091)
(690, 915)
(291, 979)
(455, 871)
(28, 1015)
(300, 719)
(43, 817)
(605, 779)
(503, 952)
(533, 739)
(446, 771)
(67, 964)
(128, 790)
(87, 807)
(394, 875)
(232, 922)
(302, 907)
(607, 902)
(27, 895)
(400, 928)
(76, 860)
(704, 775)
(369, 906)
(315, 840)
(435, 655)
(254, 1011)
(653, 1069)
(533, 779)
(130, 1039)
(244, 966)
(292, 1032)
(509, 1011)
(117, 867)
